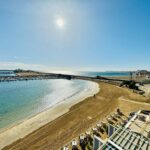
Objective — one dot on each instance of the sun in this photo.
(60, 22)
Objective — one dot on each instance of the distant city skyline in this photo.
(97, 35)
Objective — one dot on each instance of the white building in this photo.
(135, 135)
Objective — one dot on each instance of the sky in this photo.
(96, 35)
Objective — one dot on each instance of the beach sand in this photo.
(27, 126)
(146, 89)
(79, 118)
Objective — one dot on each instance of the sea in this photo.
(23, 99)
(96, 73)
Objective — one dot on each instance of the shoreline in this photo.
(65, 100)
(81, 117)
(29, 125)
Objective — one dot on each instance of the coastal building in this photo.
(135, 134)
(142, 73)
(120, 132)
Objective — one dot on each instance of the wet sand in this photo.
(81, 117)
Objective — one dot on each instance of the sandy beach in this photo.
(80, 117)
(29, 125)
(74, 74)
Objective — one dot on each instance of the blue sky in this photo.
(96, 34)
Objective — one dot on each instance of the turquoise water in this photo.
(22, 99)
(94, 74)
(104, 74)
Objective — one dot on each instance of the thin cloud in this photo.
(16, 65)
(21, 58)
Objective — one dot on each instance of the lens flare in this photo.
(60, 22)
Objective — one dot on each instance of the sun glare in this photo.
(60, 22)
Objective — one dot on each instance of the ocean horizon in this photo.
(81, 73)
